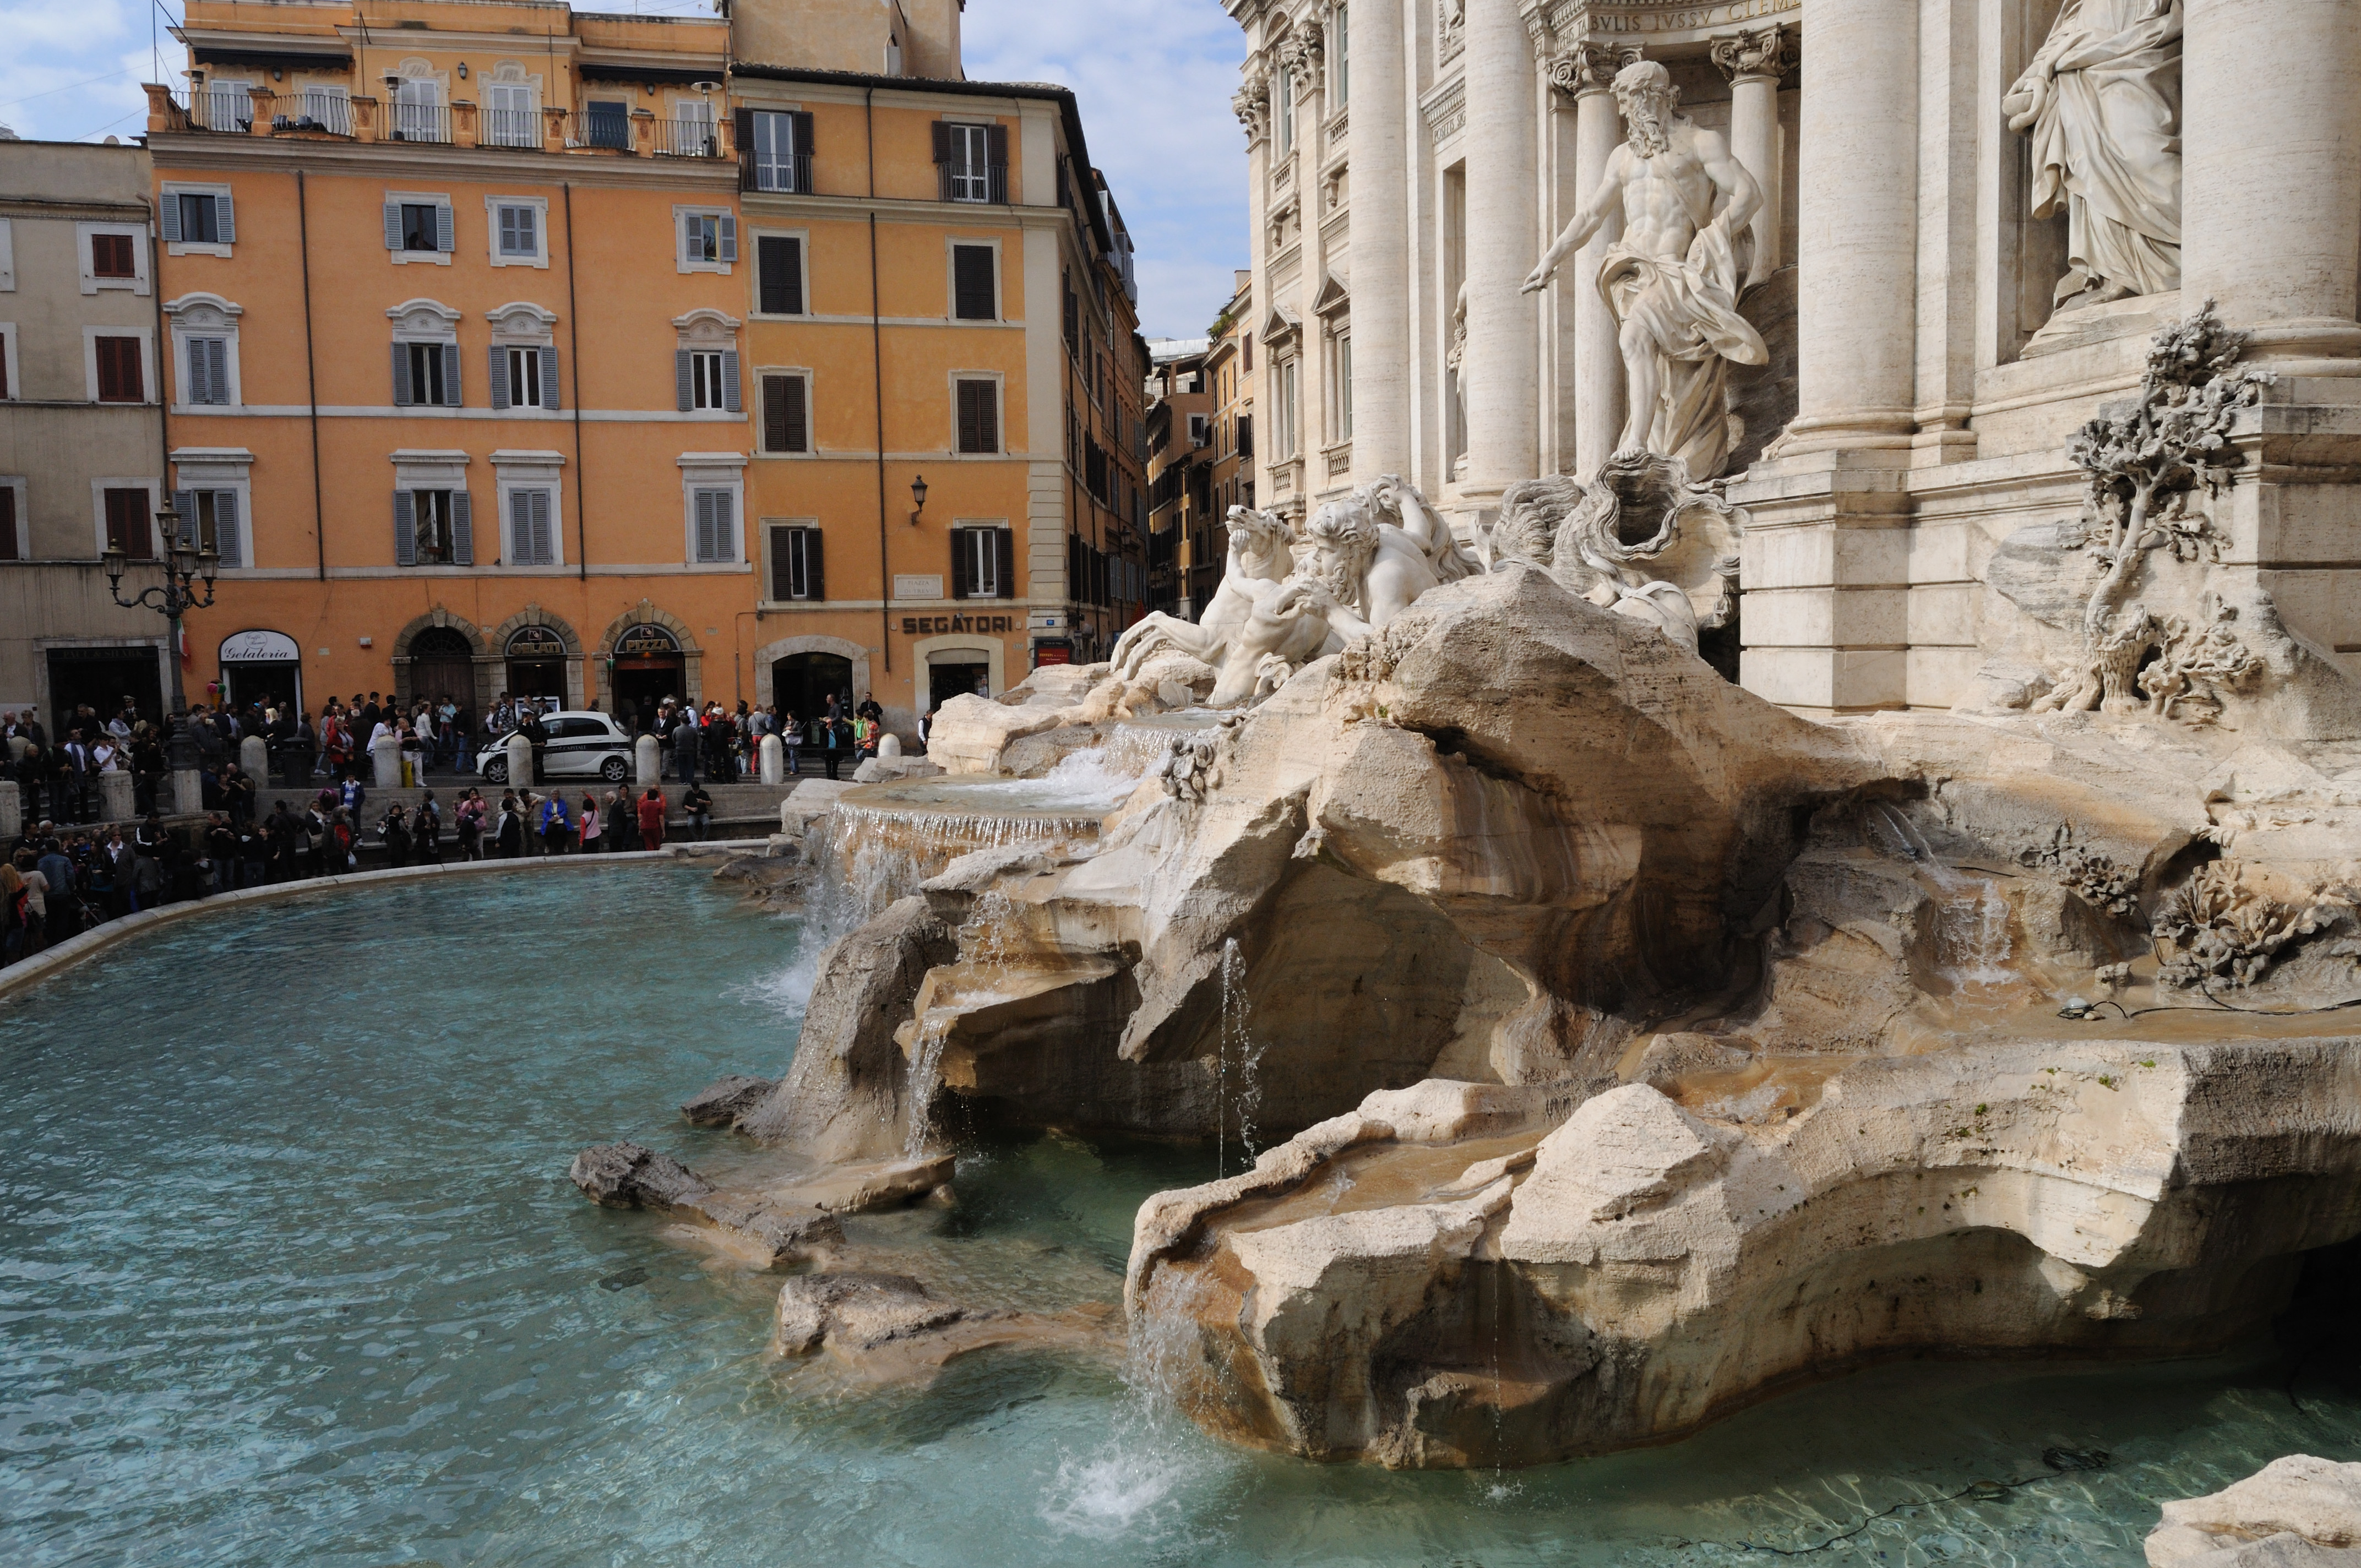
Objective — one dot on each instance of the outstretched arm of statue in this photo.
(1586, 223)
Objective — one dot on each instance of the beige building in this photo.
(82, 433)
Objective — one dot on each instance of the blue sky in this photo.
(1154, 78)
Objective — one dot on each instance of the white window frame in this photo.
(975, 185)
(416, 468)
(92, 283)
(1340, 386)
(952, 245)
(206, 306)
(973, 528)
(680, 258)
(1288, 377)
(15, 390)
(428, 322)
(22, 487)
(712, 471)
(787, 182)
(522, 470)
(177, 188)
(510, 77)
(700, 362)
(751, 241)
(999, 413)
(522, 325)
(754, 388)
(148, 390)
(425, 199)
(98, 489)
(220, 469)
(770, 563)
(8, 257)
(540, 206)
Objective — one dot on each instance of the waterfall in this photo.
(1234, 1042)
(1972, 937)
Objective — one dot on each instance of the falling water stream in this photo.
(1972, 935)
(295, 1278)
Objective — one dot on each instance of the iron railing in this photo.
(421, 122)
(511, 127)
(692, 138)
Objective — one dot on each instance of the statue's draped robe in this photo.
(2103, 98)
(1689, 309)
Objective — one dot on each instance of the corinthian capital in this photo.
(1758, 53)
(1251, 104)
(1589, 68)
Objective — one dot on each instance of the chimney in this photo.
(932, 48)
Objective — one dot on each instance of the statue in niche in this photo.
(1672, 279)
(2102, 102)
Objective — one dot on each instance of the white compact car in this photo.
(581, 746)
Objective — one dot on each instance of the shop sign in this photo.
(260, 648)
(645, 640)
(1059, 651)
(535, 643)
(933, 625)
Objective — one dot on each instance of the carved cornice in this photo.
(1251, 104)
(1758, 54)
(1658, 22)
(1590, 67)
(1300, 52)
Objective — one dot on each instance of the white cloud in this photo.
(1154, 80)
(55, 49)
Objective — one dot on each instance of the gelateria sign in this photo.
(934, 625)
(260, 648)
(1601, 18)
(535, 643)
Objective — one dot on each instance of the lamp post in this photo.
(184, 566)
(917, 498)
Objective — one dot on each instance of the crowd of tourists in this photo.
(723, 747)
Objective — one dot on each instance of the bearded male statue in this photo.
(2102, 102)
(1672, 279)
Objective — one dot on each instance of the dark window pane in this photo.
(110, 255)
(418, 226)
(128, 528)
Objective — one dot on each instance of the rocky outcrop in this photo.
(2295, 1512)
(1448, 1297)
(721, 1102)
(774, 1231)
(890, 1327)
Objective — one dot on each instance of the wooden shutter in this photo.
(780, 263)
(962, 566)
(192, 359)
(774, 413)
(705, 547)
(500, 377)
(800, 166)
(10, 550)
(729, 227)
(970, 416)
(451, 398)
(405, 530)
(987, 418)
(943, 159)
(799, 417)
(393, 226)
(815, 564)
(730, 389)
(217, 369)
(463, 529)
(996, 159)
(682, 369)
(971, 283)
(783, 578)
(1004, 542)
(443, 234)
(229, 539)
(529, 515)
(225, 219)
(549, 378)
(402, 396)
(184, 505)
(168, 218)
(742, 126)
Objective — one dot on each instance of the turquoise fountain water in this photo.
(289, 1273)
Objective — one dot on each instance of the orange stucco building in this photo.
(513, 349)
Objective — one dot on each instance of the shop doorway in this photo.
(536, 665)
(442, 664)
(263, 668)
(801, 684)
(945, 681)
(100, 678)
(649, 667)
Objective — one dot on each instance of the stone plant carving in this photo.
(2102, 103)
(1638, 538)
(2147, 466)
(1192, 766)
(2092, 877)
(2220, 926)
(1251, 104)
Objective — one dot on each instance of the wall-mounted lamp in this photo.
(917, 498)
(463, 71)
(277, 74)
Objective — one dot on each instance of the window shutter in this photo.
(463, 529)
(774, 413)
(804, 148)
(225, 218)
(169, 218)
(725, 526)
(996, 155)
(814, 574)
(544, 552)
(681, 369)
(730, 396)
(217, 369)
(451, 398)
(229, 538)
(443, 237)
(962, 564)
(943, 159)
(971, 283)
(781, 262)
(705, 525)
(405, 530)
(520, 528)
(783, 578)
(742, 123)
(970, 437)
(393, 226)
(549, 378)
(1004, 542)
(728, 226)
(184, 505)
(500, 377)
(401, 393)
(798, 419)
(987, 407)
(192, 359)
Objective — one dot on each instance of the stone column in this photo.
(254, 759)
(1378, 137)
(774, 760)
(1752, 62)
(12, 811)
(520, 752)
(2271, 176)
(647, 760)
(188, 792)
(1503, 360)
(385, 757)
(114, 797)
(1598, 361)
(1858, 229)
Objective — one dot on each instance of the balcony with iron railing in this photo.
(226, 110)
(693, 137)
(511, 127)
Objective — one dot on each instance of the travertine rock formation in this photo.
(2295, 1512)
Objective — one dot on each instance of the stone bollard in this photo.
(188, 793)
(649, 759)
(254, 759)
(520, 752)
(889, 745)
(12, 812)
(774, 760)
(385, 756)
(296, 756)
(115, 798)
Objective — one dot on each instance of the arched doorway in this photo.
(801, 684)
(442, 664)
(648, 668)
(536, 665)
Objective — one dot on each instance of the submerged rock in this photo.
(630, 1176)
(723, 1102)
(2295, 1512)
(773, 1232)
(886, 1327)
(855, 1311)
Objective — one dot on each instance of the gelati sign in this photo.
(934, 625)
(535, 643)
(260, 648)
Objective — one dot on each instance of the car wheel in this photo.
(613, 769)
(496, 771)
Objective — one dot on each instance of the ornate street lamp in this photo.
(917, 498)
(184, 566)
